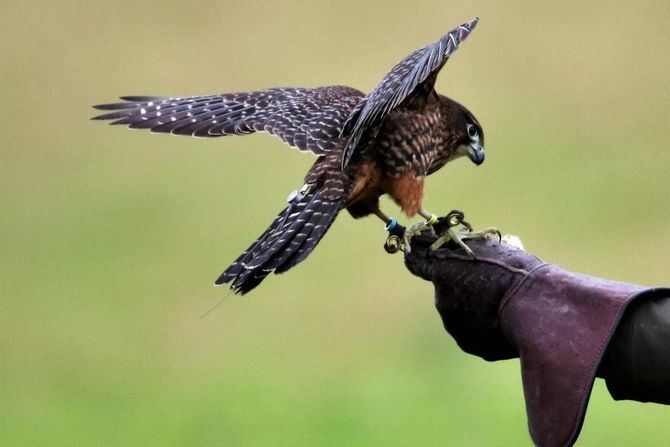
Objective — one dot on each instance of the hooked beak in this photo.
(476, 154)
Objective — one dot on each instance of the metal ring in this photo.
(392, 244)
(455, 218)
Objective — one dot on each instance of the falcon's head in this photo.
(466, 132)
(474, 145)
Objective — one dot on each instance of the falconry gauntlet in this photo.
(566, 328)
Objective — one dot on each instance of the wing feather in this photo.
(310, 119)
(412, 76)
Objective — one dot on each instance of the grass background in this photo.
(110, 239)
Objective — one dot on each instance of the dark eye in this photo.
(472, 132)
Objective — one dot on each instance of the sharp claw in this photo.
(458, 237)
(402, 239)
(416, 230)
(452, 235)
(484, 234)
(459, 240)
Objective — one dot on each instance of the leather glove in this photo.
(506, 303)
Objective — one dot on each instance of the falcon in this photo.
(385, 142)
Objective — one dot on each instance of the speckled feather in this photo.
(411, 77)
(305, 118)
(385, 142)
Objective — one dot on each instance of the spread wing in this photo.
(305, 118)
(412, 76)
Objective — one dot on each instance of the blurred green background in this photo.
(111, 239)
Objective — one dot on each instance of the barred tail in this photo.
(288, 241)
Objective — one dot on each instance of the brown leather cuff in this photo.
(561, 323)
(508, 303)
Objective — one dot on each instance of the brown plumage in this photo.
(385, 142)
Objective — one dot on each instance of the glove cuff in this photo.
(561, 324)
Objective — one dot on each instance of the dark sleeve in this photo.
(636, 365)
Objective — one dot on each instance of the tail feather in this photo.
(291, 237)
(310, 240)
(297, 217)
(237, 266)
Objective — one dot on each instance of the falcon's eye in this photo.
(472, 132)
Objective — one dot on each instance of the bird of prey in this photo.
(385, 142)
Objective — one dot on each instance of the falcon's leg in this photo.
(422, 227)
(379, 213)
(419, 228)
(453, 221)
(394, 241)
(399, 237)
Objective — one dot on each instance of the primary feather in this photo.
(309, 119)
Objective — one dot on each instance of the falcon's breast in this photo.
(411, 141)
